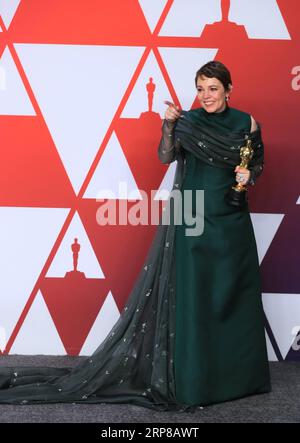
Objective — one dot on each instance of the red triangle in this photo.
(291, 15)
(93, 22)
(74, 303)
(139, 139)
(31, 172)
(121, 250)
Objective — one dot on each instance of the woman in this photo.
(220, 350)
(192, 331)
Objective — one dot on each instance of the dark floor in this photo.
(282, 405)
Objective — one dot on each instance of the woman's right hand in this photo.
(172, 112)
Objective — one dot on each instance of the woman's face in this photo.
(211, 94)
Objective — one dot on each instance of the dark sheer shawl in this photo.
(134, 364)
(215, 148)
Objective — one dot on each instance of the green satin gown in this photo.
(220, 348)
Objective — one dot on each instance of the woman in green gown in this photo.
(192, 332)
(220, 349)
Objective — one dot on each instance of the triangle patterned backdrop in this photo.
(82, 90)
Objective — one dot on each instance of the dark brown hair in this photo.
(215, 69)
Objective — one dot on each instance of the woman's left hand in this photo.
(242, 175)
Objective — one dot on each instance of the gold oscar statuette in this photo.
(237, 195)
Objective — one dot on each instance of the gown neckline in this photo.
(216, 114)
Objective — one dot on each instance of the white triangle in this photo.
(113, 178)
(262, 20)
(152, 10)
(167, 183)
(188, 18)
(7, 10)
(270, 350)
(3, 338)
(78, 89)
(182, 65)
(38, 334)
(283, 313)
(87, 260)
(13, 96)
(265, 227)
(138, 100)
(106, 319)
(27, 236)
(298, 201)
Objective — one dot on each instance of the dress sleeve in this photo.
(168, 147)
(257, 170)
